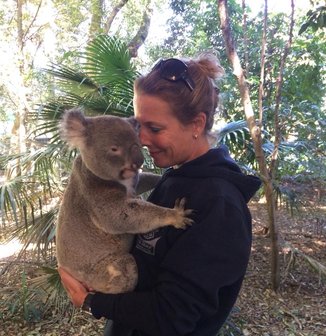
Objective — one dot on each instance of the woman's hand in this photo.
(76, 291)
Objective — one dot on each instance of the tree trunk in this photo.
(255, 132)
(17, 141)
(96, 20)
(142, 33)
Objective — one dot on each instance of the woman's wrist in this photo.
(87, 302)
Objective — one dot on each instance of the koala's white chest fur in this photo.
(130, 185)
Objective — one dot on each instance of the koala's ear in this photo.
(73, 128)
(134, 123)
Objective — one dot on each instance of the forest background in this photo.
(57, 54)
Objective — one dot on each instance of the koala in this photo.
(99, 213)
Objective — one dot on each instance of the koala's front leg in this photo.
(138, 216)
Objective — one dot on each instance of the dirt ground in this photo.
(298, 308)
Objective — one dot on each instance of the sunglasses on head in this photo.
(174, 70)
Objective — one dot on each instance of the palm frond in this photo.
(69, 77)
(285, 147)
(235, 131)
(237, 137)
(53, 109)
(11, 197)
(107, 62)
(50, 282)
(39, 232)
(34, 297)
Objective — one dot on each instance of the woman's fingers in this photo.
(75, 289)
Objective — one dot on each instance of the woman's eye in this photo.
(155, 129)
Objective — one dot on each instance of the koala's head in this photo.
(109, 146)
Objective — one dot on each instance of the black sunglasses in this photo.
(174, 70)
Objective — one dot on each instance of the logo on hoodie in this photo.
(147, 242)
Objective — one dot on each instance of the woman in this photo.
(189, 279)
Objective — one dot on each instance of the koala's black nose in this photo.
(136, 155)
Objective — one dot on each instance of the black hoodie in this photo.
(189, 279)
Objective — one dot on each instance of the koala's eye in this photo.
(114, 149)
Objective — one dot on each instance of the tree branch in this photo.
(32, 22)
(245, 39)
(262, 67)
(113, 14)
(278, 95)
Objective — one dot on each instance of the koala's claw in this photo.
(183, 221)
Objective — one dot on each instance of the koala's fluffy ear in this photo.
(73, 128)
(134, 123)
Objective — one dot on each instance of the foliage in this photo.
(194, 27)
(24, 300)
(316, 19)
(36, 296)
(231, 326)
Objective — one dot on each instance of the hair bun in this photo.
(210, 65)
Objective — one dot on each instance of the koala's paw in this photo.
(183, 221)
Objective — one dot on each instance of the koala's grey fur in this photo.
(99, 213)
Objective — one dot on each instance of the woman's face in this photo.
(169, 142)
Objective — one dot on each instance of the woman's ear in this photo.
(199, 123)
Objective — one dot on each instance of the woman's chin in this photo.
(161, 160)
(161, 164)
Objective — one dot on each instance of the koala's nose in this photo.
(137, 157)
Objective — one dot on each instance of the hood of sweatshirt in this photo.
(218, 163)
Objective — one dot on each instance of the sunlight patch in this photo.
(9, 249)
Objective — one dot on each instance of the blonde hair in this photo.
(187, 104)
